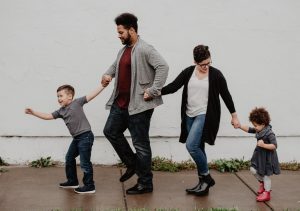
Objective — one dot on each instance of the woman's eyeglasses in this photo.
(205, 64)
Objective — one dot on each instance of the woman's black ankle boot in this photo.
(203, 190)
(197, 187)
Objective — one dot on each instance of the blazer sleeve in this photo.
(112, 69)
(161, 71)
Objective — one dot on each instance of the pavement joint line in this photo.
(124, 193)
(248, 186)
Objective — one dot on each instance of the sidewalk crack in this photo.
(124, 193)
(248, 186)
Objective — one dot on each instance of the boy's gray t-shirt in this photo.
(74, 117)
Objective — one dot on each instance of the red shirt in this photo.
(124, 79)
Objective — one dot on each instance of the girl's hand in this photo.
(260, 143)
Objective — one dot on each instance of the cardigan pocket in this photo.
(143, 86)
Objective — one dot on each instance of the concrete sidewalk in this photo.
(25, 188)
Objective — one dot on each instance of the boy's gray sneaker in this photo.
(68, 185)
(85, 189)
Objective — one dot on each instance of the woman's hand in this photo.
(235, 121)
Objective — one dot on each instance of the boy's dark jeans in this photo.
(138, 125)
(82, 146)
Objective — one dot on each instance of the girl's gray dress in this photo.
(263, 160)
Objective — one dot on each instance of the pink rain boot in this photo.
(265, 196)
(261, 188)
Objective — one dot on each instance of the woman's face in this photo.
(204, 65)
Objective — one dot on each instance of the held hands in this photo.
(235, 121)
(106, 79)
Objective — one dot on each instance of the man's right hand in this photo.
(106, 79)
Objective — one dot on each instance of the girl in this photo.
(264, 161)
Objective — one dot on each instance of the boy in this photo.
(72, 113)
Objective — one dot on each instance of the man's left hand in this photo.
(147, 96)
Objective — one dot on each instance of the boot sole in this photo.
(86, 192)
(212, 183)
(69, 187)
(262, 200)
(205, 193)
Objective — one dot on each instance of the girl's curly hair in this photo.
(260, 116)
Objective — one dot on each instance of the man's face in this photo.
(124, 35)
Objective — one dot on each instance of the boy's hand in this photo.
(38, 114)
(106, 79)
(28, 111)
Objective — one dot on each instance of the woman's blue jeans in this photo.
(82, 146)
(193, 144)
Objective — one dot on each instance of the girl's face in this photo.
(258, 127)
(64, 98)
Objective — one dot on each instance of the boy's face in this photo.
(258, 127)
(64, 98)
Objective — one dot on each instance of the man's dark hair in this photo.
(260, 116)
(68, 88)
(127, 20)
(201, 53)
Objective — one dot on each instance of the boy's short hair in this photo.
(68, 88)
(200, 53)
(127, 20)
(260, 116)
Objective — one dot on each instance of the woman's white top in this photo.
(197, 96)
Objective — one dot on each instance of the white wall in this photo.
(22, 150)
(44, 44)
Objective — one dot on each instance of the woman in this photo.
(201, 111)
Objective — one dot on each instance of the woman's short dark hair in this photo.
(201, 53)
(260, 116)
(127, 20)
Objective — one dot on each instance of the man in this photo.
(140, 73)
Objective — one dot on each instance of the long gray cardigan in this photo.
(148, 71)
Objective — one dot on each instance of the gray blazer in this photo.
(148, 71)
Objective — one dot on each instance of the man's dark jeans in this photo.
(138, 125)
(82, 146)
